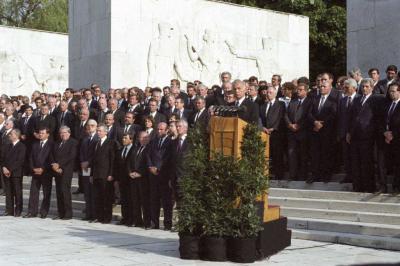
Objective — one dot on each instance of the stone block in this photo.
(187, 39)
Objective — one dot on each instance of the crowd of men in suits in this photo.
(128, 145)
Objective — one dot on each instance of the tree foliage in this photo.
(327, 30)
(50, 15)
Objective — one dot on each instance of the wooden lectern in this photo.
(226, 135)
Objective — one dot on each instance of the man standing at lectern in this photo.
(249, 112)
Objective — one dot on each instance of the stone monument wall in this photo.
(32, 60)
(372, 34)
(147, 42)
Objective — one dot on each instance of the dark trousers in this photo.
(88, 189)
(103, 199)
(277, 152)
(392, 155)
(140, 201)
(298, 153)
(362, 157)
(126, 200)
(13, 189)
(321, 155)
(64, 201)
(43, 181)
(160, 195)
(346, 155)
(384, 158)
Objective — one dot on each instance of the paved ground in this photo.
(47, 242)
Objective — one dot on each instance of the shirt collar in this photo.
(240, 101)
(15, 143)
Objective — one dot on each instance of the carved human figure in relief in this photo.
(265, 58)
(163, 57)
(208, 56)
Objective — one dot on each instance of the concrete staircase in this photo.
(320, 212)
(331, 213)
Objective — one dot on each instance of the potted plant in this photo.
(217, 199)
(245, 222)
(191, 208)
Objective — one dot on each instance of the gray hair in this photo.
(354, 72)
(183, 122)
(91, 122)
(239, 82)
(17, 132)
(65, 128)
(103, 127)
(367, 81)
(351, 82)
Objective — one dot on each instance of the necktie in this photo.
(348, 101)
(61, 144)
(26, 121)
(62, 118)
(41, 145)
(391, 110)
(126, 129)
(268, 108)
(180, 143)
(321, 103)
(237, 104)
(299, 104)
(42, 118)
(124, 152)
(197, 116)
(98, 145)
(139, 151)
(160, 143)
(362, 100)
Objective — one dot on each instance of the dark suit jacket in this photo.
(392, 124)
(87, 148)
(13, 158)
(159, 156)
(115, 134)
(121, 164)
(94, 104)
(137, 162)
(327, 114)
(365, 119)
(49, 122)
(101, 115)
(158, 118)
(177, 157)
(381, 87)
(27, 129)
(250, 113)
(343, 117)
(41, 158)
(102, 162)
(119, 116)
(296, 114)
(185, 115)
(65, 156)
(68, 121)
(275, 115)
(202, 119)
(78, 132)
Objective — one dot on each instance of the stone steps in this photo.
(333, 195)
(371, 229)
(377, 242)
(329, 212)
(343, 205)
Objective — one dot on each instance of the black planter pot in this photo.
(242, 250)
(189, 247)
(213, 248)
